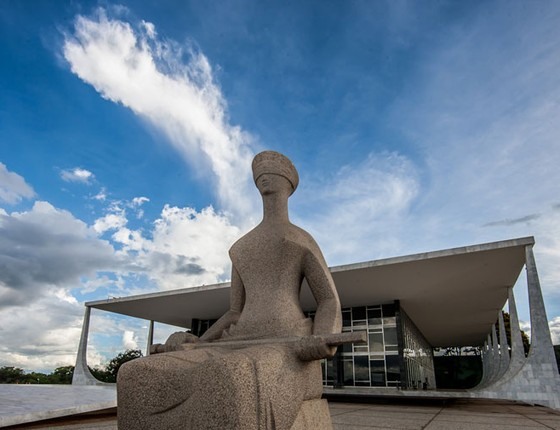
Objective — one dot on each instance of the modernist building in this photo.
(408, 306)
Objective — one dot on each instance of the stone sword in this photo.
(329, 339)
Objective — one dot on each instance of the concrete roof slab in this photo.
(453, 295)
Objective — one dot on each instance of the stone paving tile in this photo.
(376, 421)
(393, 414)
(406, 408)
(459, 413)
(456, 415)
(487, 419)
(336, 412)
(532, 410)
(553, 415)
(354, 427)
(446, 425)
(347, 406)
(553, 424)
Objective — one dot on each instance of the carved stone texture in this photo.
(244, 384)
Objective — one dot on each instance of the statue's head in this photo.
(274, 163)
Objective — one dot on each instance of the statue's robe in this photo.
(258, 387)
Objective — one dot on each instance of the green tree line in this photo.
(63, 375)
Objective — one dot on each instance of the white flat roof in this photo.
(453, 295)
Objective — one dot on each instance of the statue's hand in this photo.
(314, 348)
(174, 342)
(156, 348)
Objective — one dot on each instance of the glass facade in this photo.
(375, 364)
(199, 327)
(418, 358)
(395, 355)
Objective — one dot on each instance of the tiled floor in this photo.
(451, 415)
(437, 415)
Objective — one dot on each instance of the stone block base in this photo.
(313, 415)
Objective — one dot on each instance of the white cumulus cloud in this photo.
(129, 340)
(184, 248)
(112, 221)
(554, 325)
(42, 334)
(101, 195)
(77, 174)
(13, 187)
(139, 201)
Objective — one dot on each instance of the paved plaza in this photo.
(468, 414)
(379, 414)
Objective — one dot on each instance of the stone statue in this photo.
(257, 367)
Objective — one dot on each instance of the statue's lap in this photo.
(218, 388)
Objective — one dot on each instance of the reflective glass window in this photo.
(377, 372)
(361, 368)
(346, 318)
(348, 368)
(393, 368)
(388, 310)
(390, 335)
(330, 371)
(376, 342)
(361, 348)
(389, 321)
(359, 313)
(374, 316)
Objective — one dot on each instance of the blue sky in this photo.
(127, 129)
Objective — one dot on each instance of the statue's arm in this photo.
(237, 301)
(328, 318)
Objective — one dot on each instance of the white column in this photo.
(504, 347)
(484, 359)
(541, 343)
(537, 381)
(150, 337)
(82, 375)
(495, 355)
(517, 358)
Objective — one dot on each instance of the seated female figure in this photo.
(256, 380)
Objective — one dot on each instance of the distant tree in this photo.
(61, 375)
(468, 350)
(115, 364)
(457, 351)
(524, 337)
(64, 374)
(12, 375)
(37, 378)
(101, 374)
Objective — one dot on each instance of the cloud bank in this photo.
(45, 253)
(47, 248)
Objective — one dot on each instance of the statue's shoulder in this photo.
(303, 239)
(242, 243)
